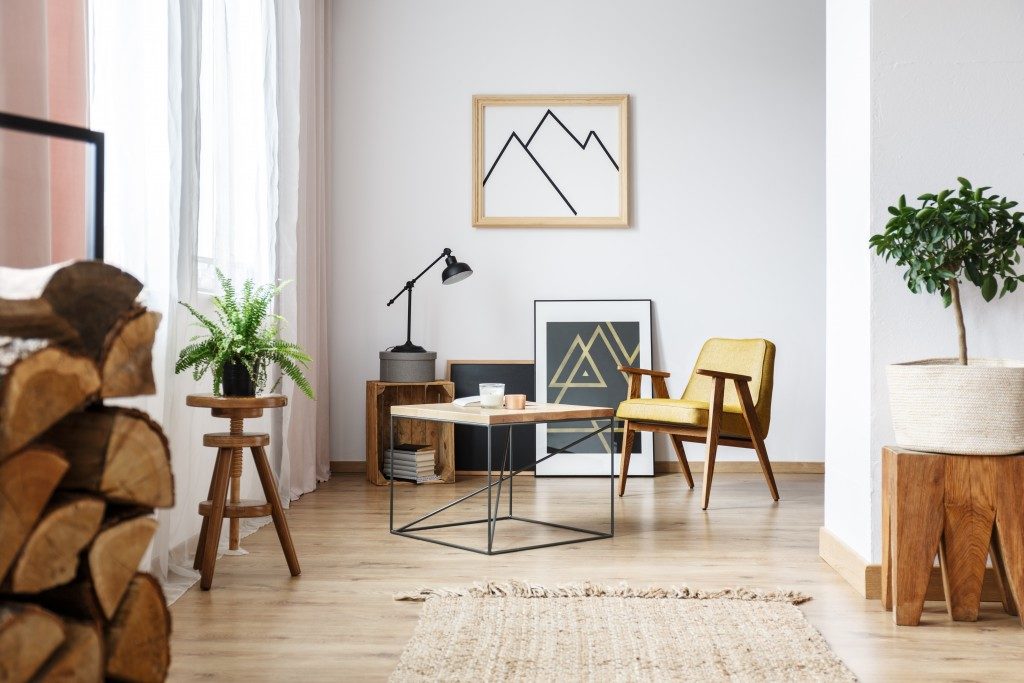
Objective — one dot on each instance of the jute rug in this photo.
(585, 632)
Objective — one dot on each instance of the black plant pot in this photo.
(237, 381)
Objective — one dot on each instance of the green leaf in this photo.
(973, 274)
(964, 182)
(988, 288)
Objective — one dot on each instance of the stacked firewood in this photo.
(78, 480)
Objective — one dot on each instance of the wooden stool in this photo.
(963, 507)
(227, 473)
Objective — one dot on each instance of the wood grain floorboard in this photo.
(337, 621)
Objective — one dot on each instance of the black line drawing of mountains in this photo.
(516, 181)
(592, 135)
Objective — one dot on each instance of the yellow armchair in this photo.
(728, 401)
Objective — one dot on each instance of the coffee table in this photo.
(500, 418)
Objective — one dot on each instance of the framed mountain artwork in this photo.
(551, 160)
(578, 348)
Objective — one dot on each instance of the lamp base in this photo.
(407, 366)
(408, 347)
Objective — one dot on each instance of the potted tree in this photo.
(957, 405)
(239, 346)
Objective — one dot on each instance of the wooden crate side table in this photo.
(965, 508)
(380, 396)
(223, 500)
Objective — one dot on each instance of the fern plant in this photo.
(245, 332)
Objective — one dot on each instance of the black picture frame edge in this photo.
(27, 124)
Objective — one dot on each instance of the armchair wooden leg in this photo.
(766, 466)
(677, 444)
(754, 427)
(627, 450)
(714, 425)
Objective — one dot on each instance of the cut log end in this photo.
(79, 659)
(138, 637)
(28, 636)
(117, 452)
(127, 364)
(39, 384)
(50, 555)
(27, 480)
(115, 555)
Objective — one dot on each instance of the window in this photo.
(238, 142)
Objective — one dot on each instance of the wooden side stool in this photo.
(227, 473)
(963, 507)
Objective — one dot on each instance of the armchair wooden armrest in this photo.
(637, 374)
(640, 371)
(724, 375)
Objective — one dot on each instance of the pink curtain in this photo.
(304, 99)
(44, 75)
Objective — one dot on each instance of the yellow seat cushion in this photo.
(682, 412)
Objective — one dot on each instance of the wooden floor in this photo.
(338, 622)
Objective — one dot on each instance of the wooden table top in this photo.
(534, 412)
(211, 401)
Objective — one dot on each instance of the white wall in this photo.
(727, 235)
(948, 96)
(946, 99)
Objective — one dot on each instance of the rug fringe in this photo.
(587, 589)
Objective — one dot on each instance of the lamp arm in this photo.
(409, 285)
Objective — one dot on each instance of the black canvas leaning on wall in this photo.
(471, 442)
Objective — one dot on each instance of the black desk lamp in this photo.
(454, 272)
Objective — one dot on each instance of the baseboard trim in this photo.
(850, 565)
(866, 578)
(660, 467)
(739, 466)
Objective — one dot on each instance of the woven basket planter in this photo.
(941, 406)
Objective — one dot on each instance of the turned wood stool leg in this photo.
(280, 522)
(201, 545)
(220, 490)
(236, 482)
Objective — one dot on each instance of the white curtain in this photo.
(201, 175)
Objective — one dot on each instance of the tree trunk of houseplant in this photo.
(958, 311)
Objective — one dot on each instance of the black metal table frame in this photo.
(493, 518)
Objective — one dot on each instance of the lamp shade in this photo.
(454, 271)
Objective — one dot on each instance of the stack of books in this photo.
(412, 462)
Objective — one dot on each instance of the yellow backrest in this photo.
(752, 357)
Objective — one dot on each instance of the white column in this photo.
(848, 482)
(918, 93)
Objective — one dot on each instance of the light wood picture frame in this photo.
(551, 161)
